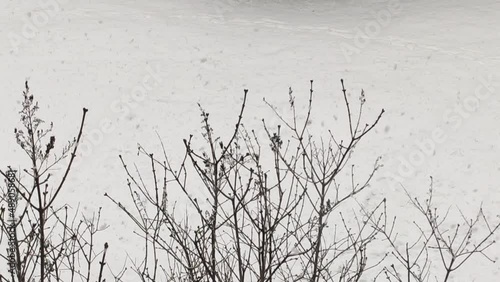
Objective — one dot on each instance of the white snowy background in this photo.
(432, 65)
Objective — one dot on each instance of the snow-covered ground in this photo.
(141, 67)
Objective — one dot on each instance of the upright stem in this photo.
(317, 247)
(449, 269)
(214, 221)
(41, 208)
(214, 237)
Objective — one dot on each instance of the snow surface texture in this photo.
(433, 66)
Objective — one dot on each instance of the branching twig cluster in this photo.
(266, 208)
(454, 245)
(44, 243)
(242, 208)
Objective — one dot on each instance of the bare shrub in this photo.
(453, 243)
(241, 208)
(267, 205)
(44, 242)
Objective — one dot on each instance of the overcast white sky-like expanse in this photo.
(141, 67)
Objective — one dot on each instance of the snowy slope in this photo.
(424, 64)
